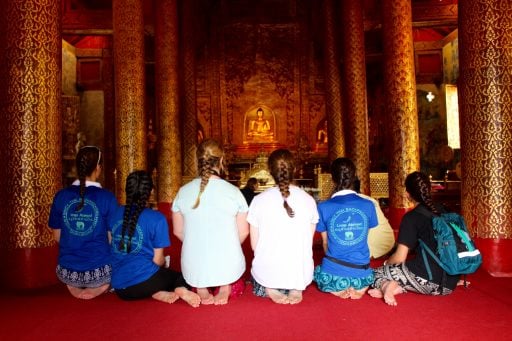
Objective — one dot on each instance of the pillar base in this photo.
(394, 215)
(497, 256)
(29, 268)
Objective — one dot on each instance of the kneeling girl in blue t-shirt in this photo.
(139, 236)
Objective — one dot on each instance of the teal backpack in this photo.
(456, 253)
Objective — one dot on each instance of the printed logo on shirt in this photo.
(83, 222)
(348, 226)
(137, 238)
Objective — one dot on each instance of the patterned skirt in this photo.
(85, 279)
(259, 290)
(331, 283)
(407, 280)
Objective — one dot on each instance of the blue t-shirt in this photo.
(83, 241)
(346, 218)
(152, 232)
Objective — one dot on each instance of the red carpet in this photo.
(483, 311)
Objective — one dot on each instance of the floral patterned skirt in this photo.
(331, 283)
(85, 279)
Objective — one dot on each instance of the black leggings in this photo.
(163, 280)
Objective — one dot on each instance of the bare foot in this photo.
(357, 294)
(463, 283)
(87, 293)
(188, 296)
(223, 296)
(276, 296)
(205, 296)
(166, 296)
(376, 293)
(341, 294)
(76, 292)
(295, 296)
(389, 290)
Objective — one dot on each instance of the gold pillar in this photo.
(167, 100)
(30, 74)
(485, 99)
(189, 107)
(354, 97)
(129, 80)
(333, 100)
(400, 105)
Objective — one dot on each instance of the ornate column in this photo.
(31, 140)
(485, 100)
(189, 106)
(354, 80)
(333, 99)
(400, 90)
(167, 102)
(129, 76)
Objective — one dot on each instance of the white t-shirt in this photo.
(211, 254)
(283, 256)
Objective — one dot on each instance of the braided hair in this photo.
(343, 173)
(282, 166)
(209, 155)
(138, 189)
(87, 159)
(417, 185)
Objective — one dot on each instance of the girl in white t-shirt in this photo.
(282, 223)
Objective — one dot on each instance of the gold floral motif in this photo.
(486, 116)
(129, 90)
(400, 85)
(31, 75)
(190, 125)
(167, 98)
(333, 95)
(354, 71)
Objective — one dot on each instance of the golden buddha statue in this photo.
(260, 128)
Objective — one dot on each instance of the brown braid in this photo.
(87, 159)
(343, 173)
(282, 166)
(417, 185)
(138, 189)
(209, 155)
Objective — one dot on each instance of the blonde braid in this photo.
(204, 172)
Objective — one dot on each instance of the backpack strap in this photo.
(425, 261)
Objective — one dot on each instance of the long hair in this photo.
(343, 173)
(417, 185)
(282, 165)
(87, 159)
(138, 189)
(209, 155)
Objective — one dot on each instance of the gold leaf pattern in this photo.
(486, 116)
(31, 75)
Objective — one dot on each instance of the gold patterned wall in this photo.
(167, 98)
(354, 80)
(30, 102)
(129, 90)
(400, 88)
(485, 103)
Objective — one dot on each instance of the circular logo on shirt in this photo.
(83, 222)
(137, 238)
(348, 226)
